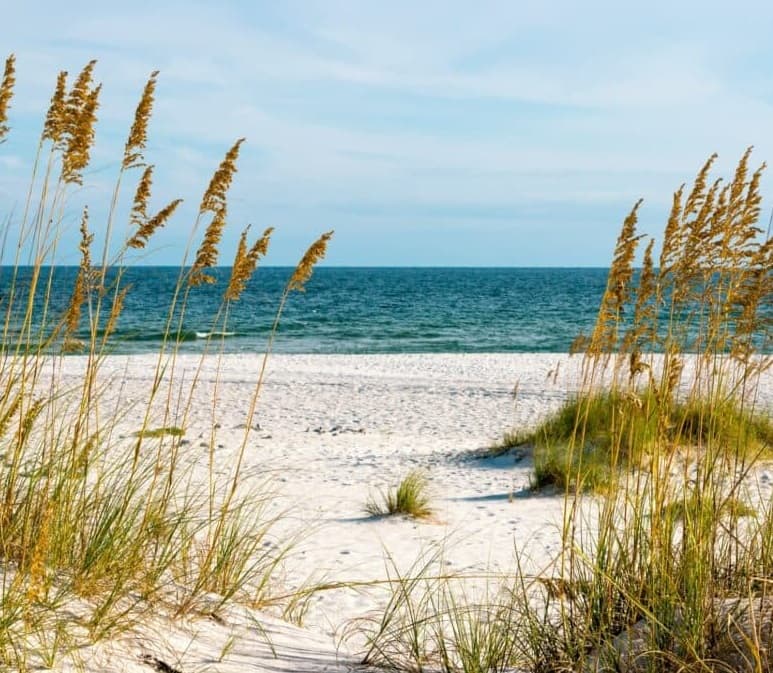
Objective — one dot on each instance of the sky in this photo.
(433, 133)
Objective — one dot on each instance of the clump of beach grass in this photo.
(631, 419)
(667, 571)
(168, 431)
(667, 565)
(433, 621)
(89, 519)
(409, 498)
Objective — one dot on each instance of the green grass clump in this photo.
(592, 436)
(431, 622)
(168, 431)
(409, 498)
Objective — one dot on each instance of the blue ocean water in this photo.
(358, 310)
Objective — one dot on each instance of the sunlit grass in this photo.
(409, 498)
(97, 529)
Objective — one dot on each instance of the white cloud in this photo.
(612, 102)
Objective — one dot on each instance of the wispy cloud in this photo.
(377, 115)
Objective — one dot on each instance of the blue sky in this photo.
(425, 133)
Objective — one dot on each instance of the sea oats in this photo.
(83, 279)
(579, 344)
(152, 224)
(116, 309)
(54, 126)
(214, 198)
(738, 185)
(138, 136)
(643, 328)
(37, 573)
(139, 212)
(80, 139)
(6, 93)
(77, 97)
(245, 263)
(238, 279)
(748, 231)
(618, 290)
(259, 249)
(752, 300)
(214, 201)
(9, 412)
(305, 267)
(695, 199)
(694, 231)
(206, 256)
(671, 243)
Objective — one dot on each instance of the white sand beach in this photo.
(330, 431)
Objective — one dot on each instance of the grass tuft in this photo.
(409, 498)
(170, 431)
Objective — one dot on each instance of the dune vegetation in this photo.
(98, 529)
(667, 536)
(409, 498)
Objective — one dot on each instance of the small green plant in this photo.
(168, 431)
(409, 498)
(593, 435)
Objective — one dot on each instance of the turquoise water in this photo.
(359, 310)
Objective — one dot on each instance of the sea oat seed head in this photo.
(305, 267)
(237, 281)
(80, 139)
(54, 125)
(83, 280)
(116, 309)
(618, 291)
(139, 213)
(214, 201)
(259, 248)
(695, 198)
(643, 327)
(76, 99)
(206, 256)
(6, 93)
(215, 196)
(138, 136)
(245, 262)
(151, 225)
(671, 234)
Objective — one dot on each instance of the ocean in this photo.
(353, 310)
(347, 310)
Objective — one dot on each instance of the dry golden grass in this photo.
(138, 136)
(6, 93)
(86, 518)
(246, 262)
(305, 267)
